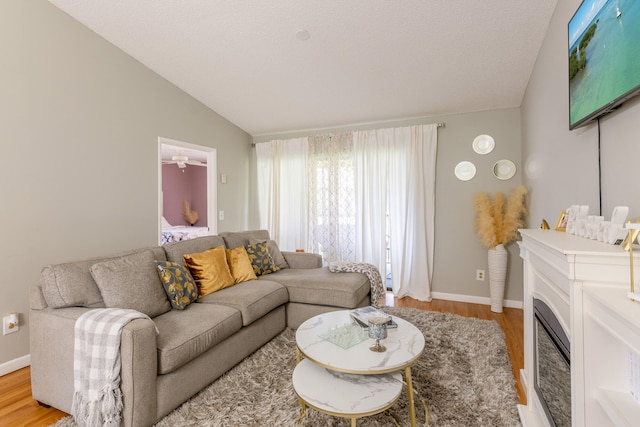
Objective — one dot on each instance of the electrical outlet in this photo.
(10, 324)
(480, 275)
(221, 215)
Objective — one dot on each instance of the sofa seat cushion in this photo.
(322, 287)
(186, 334)
(253, 299)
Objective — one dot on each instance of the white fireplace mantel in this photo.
(584, 282)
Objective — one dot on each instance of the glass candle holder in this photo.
(378, 331)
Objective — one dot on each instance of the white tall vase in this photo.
(498, 258)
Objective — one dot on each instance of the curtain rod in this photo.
(439, 125)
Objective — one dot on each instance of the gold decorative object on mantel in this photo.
(561, 224)
(627, 245)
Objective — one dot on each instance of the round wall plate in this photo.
(465, 170)
(483, 144)
(504, 169)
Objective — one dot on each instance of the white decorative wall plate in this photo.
(504, 169)
(465, 170)
(483, 144)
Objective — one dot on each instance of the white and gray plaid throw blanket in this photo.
(369, 270)
(97, 400)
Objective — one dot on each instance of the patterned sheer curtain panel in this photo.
(331, 197)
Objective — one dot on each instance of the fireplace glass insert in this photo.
(552, 365)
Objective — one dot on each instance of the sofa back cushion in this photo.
(131, 281)
(176, 251)
(71, 284)
(234, 239)
(274, 251)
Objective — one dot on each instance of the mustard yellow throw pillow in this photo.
(240, 265)
(210, 270)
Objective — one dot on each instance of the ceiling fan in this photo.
(182, 160)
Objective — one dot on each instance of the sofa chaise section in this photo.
(312, 288)
(317, 290)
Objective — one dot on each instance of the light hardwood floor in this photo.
(17, 407)
(510, 321)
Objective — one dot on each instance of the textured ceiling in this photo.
(365, 60)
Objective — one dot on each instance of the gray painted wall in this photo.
(72, 105)
(458, 252)
(562, 165)
(79, 128)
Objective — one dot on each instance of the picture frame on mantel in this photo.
(561, 224)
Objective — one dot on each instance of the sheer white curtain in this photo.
(395, 175)
(282, 191)
(371, 174)
(331, 196)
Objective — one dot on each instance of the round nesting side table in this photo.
(372, 381)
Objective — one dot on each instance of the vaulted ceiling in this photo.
(284, 65)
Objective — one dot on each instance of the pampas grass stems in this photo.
(497, 221)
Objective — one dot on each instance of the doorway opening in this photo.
(187, 174)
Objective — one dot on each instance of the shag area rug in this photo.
(463, 377)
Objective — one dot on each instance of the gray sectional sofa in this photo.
(161, 370)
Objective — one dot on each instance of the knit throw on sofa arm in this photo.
(97, 399)
(369, 270)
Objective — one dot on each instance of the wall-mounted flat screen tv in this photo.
(604, 58)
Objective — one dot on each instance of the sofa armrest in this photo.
(51, 337)
(36, 298)
(303, 259)
(138, 374)
(52, 342)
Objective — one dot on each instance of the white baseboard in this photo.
(473, 299)
(524, 381)
(15, 364)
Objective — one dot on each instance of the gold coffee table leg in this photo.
(353, 422)
(303, 410)
(412, 408)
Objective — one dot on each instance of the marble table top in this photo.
(345, 395)
(404, 346)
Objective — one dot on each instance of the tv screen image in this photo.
(604, 58)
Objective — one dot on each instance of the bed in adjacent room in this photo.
(176, 233)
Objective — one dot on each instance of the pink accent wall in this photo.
(178, 185)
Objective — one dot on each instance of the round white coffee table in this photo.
(404, 346)
(345, 395)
